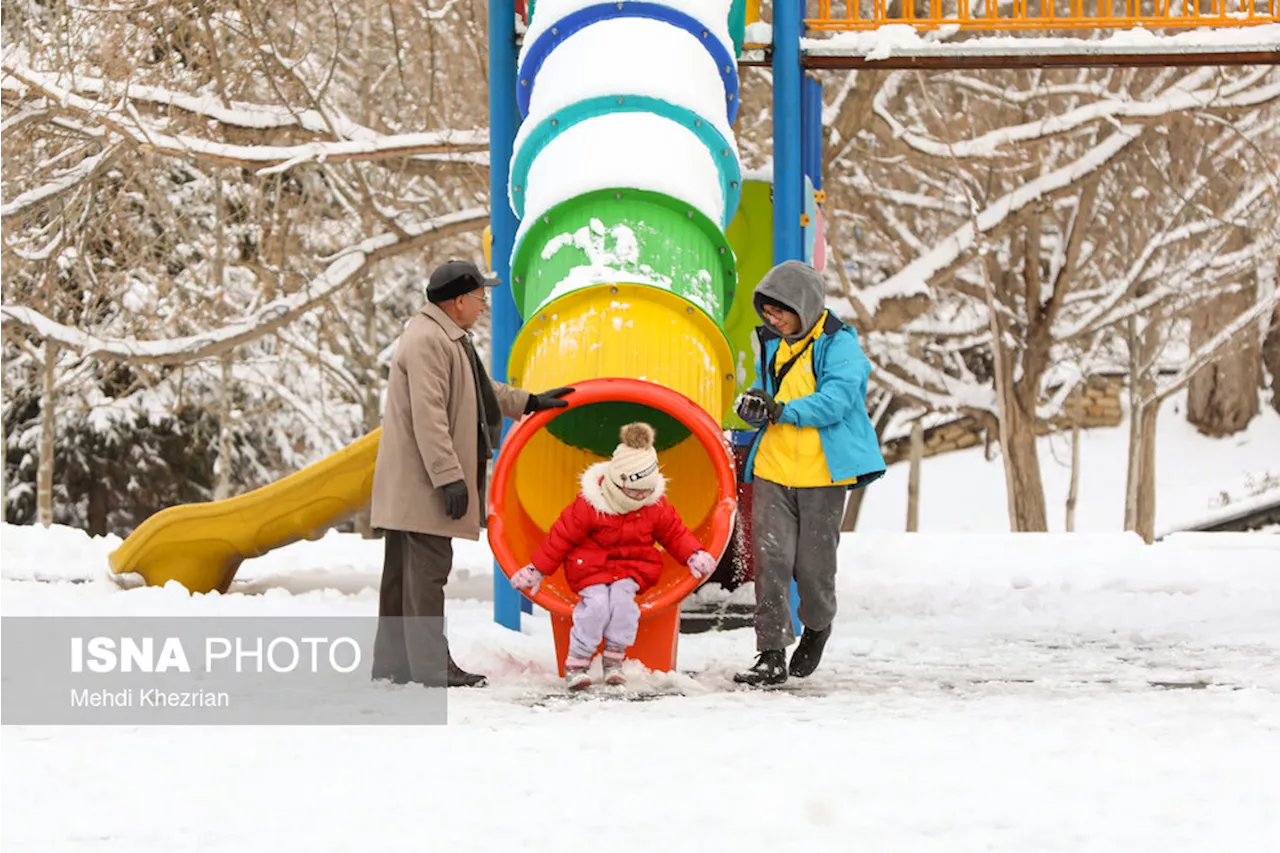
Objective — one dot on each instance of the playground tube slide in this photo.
(625, 176)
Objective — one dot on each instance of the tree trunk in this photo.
(218, 270)
(222, 483)
(1004, 393)
(913, 478)
(372, 417)
(1140, 490)
(367, 357)
(1222, 398)
(1016, 398)
(1271, 357)
(48, 418)
(1022, 465)
(98, 507)
(852, 507)
(1073, 491)
(1135, 431)
(1146, 514)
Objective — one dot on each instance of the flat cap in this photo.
(454, 278)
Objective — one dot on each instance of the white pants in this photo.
(606, 612)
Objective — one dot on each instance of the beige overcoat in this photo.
(430, 433)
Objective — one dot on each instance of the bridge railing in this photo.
(850, 15)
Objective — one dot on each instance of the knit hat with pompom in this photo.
(635, 462)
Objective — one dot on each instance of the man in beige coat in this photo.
(442, 422)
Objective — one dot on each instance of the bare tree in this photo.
(913, 479)
(1073, 491)
(236, 201)
(1223, 397)
(1025, 207)
(1271, 357)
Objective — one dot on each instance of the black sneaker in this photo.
(770, 669)
(809, 652)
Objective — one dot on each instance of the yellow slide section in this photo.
(202, 545)
(619, 330)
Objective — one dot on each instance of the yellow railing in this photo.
(845, 15)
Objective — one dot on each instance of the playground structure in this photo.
(632, 282)
(624, 175)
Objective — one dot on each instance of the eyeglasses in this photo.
(472, 294)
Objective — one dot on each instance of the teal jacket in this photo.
(838, 408)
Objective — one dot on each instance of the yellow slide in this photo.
(201, 545)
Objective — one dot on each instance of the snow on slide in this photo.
(712, 14)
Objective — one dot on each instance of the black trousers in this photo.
(410, 643)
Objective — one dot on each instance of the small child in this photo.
(605, 539)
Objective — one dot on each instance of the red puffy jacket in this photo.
(597, 545)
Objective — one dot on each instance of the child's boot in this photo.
(576, 676)
(613, 656)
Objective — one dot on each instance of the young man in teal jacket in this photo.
(815, 443)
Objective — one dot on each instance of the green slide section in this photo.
(647, 234)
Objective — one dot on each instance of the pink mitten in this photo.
(528, 578)
(702, 564)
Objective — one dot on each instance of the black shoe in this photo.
(807, 655)
(770, 669)
(459, 677)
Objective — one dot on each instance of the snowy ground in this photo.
(981, 692)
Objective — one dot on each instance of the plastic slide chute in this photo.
(201, 545)
(625, 176)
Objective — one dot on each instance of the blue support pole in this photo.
(504, 120)
(788, 166)
(788, 162)
(811, 133)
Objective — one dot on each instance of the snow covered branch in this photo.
(1178, 98)
(83, 172)
(1246, 322)
(267, 159)
(914, 278)
(1108, 310)
(239, 114)
(345, 270)
(903, 374)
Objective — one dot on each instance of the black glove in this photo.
(455, 499)
(757, 406)
(547, 400)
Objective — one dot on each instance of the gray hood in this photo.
(798, 286)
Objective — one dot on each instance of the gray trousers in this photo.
(795, 533)
(410, 643)
(608, 612)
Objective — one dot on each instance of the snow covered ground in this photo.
(982, 691)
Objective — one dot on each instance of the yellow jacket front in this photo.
(792, 455)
